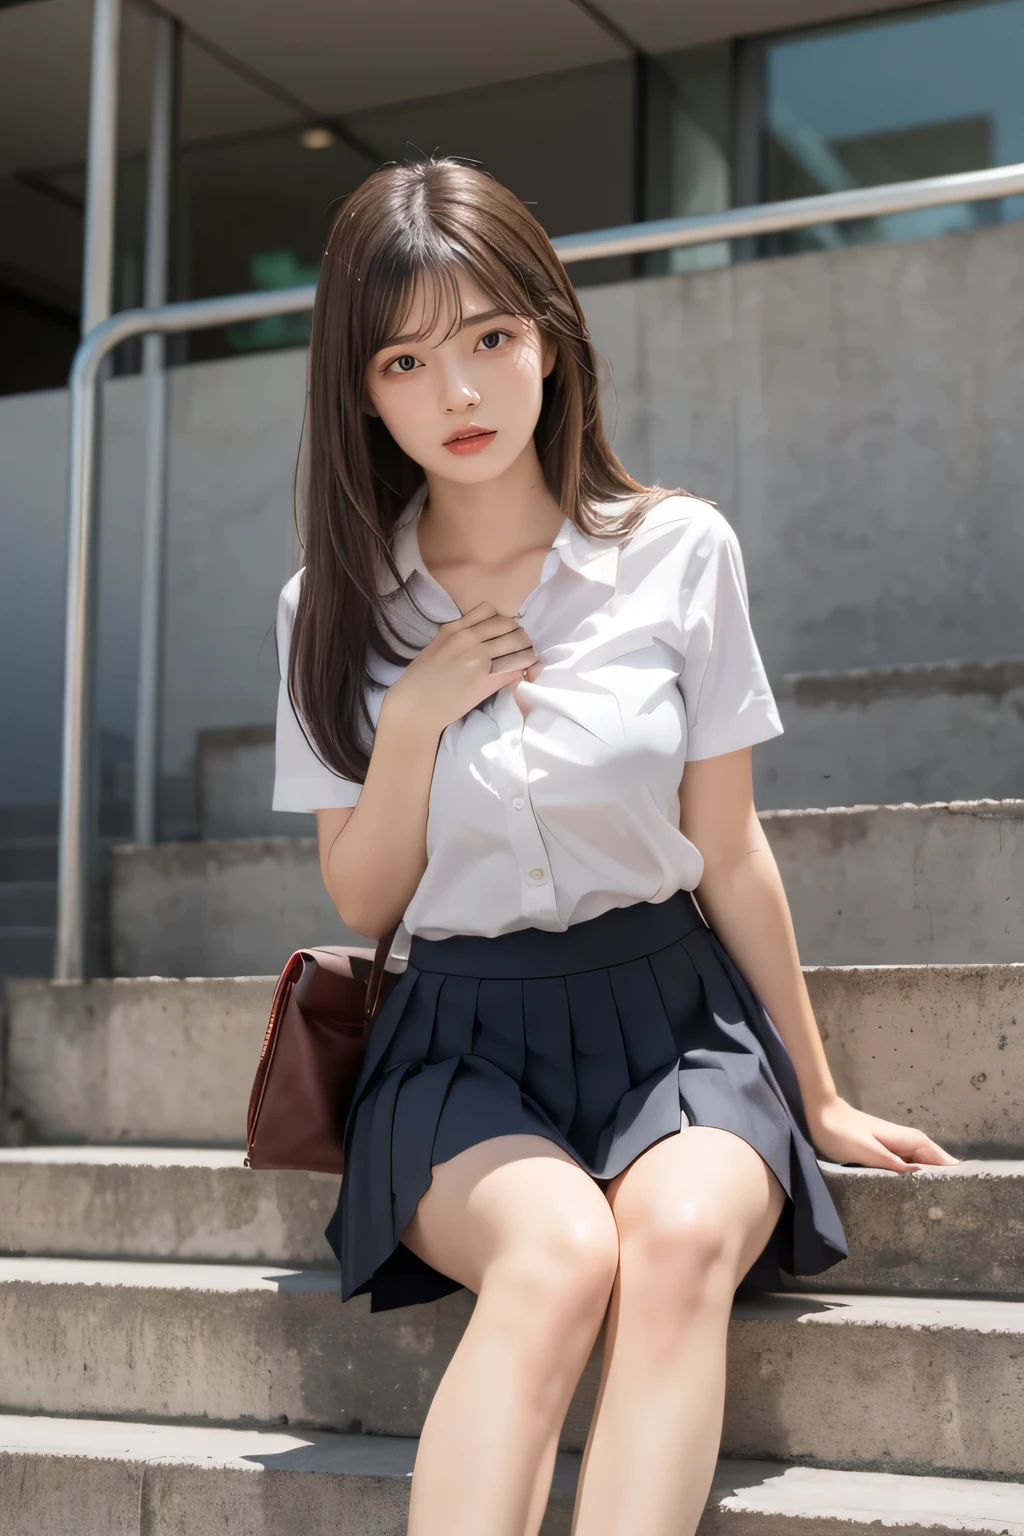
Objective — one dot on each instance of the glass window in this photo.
(563, 142)
(68, 184)
(924, 93)
(253, 215)
(688, 147)
(255, 210)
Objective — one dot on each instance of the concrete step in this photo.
(167, 1203)
(227, 908)
(42, 819)
(958, 1230)
(29, 848)
(265, 1346)
(940, 1047)
(867, 885)
(171, 1062)
(235, 785)
(150, 1060)
(94, 1477)
(918, 731)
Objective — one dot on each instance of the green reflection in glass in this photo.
(270, 271)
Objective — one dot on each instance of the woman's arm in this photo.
(373, 853)
(742, 896)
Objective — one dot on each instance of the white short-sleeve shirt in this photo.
(552, 817)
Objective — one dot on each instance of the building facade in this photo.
(849, 393)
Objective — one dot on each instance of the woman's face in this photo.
(484, 383)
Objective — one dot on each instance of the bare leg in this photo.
(520, 1223)
(693, 1213)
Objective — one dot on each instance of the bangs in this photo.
(431, 260)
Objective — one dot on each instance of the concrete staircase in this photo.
(174, 1356)
(28, 881)
(28, 890)
(867, 884)
(919, 731)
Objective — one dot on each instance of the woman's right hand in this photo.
(467, 660)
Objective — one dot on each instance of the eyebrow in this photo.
(488, 314)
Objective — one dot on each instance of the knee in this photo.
(678, 1254)
(556, 1288)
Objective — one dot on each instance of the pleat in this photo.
(726, 1021)
(602, 1071)
(742, 1021)
(368, 1206)
(420, 1106)
(728, 978)
(726, 1080)
(385, 1026)
(596, 1030)
(678, 983)
(500, 1031)
(550, 1076)
(811, 1235)
(404, 1026)
(647, 1039)
(362, 1224)
(482, 1102)
(728, 1090)
(455, 1017)
(643, 1115)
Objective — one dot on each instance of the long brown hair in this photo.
(404, 224)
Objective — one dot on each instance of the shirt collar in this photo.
(596, 559)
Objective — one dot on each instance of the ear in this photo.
(549, 355)
(366, 404)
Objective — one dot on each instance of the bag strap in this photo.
(380, 958)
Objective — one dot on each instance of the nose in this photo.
(458, 392)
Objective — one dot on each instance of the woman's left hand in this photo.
(843, 1134)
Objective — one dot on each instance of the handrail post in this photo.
(101, 182)
(78, 800)
(158, 209)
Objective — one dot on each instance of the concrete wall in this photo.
(856, 415)
(234, 435)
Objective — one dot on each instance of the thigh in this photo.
(700, 1186)
(506, 1193)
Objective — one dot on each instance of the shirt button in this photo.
(518, 803)
(537, 874)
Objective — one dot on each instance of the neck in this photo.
(493, 521)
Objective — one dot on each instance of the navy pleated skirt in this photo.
(604, 1038)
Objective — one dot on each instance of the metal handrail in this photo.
(797, 213)
(76, 815)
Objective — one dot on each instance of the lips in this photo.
(470, 439)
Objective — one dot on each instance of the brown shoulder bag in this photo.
(323, 1008)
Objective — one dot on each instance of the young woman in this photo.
(520, 691)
